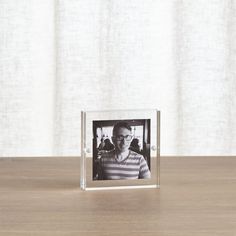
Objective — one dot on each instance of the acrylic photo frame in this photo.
(102, 143)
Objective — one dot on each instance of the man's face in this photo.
(122, 139)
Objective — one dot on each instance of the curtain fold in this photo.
(59, 57)
(115, 55)
(27, 63)
(205, 77)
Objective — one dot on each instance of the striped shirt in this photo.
(134, 166)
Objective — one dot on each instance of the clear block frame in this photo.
(98, 142)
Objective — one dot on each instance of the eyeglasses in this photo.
(121, 137)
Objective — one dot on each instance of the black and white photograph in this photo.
(121, 149)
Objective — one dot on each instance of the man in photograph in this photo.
(121, 162)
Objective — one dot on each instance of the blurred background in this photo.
(58, 57)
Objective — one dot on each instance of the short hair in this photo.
(121, 124)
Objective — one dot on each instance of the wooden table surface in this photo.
(41, 196)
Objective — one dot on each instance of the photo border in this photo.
(87, 118)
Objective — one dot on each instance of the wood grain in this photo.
(41, 196)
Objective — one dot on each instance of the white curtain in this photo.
(58, 57)
(27, 77)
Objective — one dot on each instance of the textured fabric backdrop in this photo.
(58, 57)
